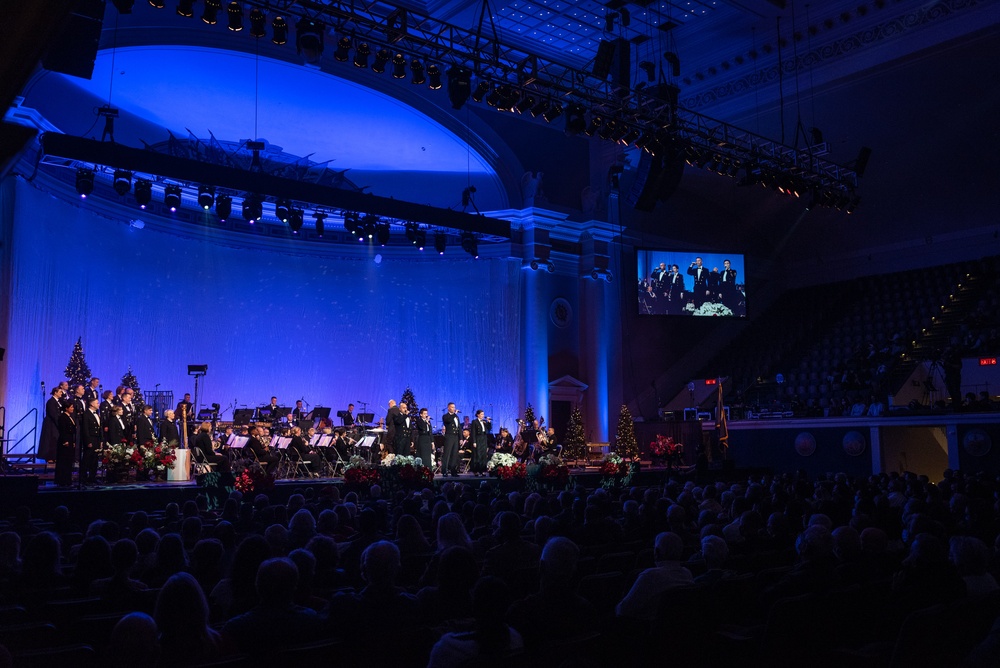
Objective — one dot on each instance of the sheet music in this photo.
(315, 439)
(274, 441)
(240, 441)
(284, 442)
(325, 441)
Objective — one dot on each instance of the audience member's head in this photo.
(380, 564)
(134, 642)
(714, 551)
(276, 582)
(667, 547)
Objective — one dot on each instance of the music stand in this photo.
(369, 442)
(264, 414)
(366, 418)
(242, 416)
(205, 415)
(320, 412)
(304, 425)
(283, 412)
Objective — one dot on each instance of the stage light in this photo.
(482, 88)
(459, 86)
(206, 197)
(157, 4)
(411, 233)
(122, 182)
(434, 77)
(539, 109)
(576, 121)
(282, 209)
(185, 8)
(508, 96)
(342, 52)
(295, 218)
(235, 12)
(470, 245)
(172, 197)
(143, 192)
(607, 131)
(124, 6)
(258, 21)
(629, 137)
(417, 69)
(84, 181)
(440, 243)
(382, 232)
(370, 224)
(381, 58)
(279, 30)
(595, 124)
(320, 223)
(253, 208)
(399, 66)
(309, 39)
(210, 14)
(223, 207)
(554, 111)
(527, 102)
(361, 55)
(351, 223)
(853, 205)
(493, 97)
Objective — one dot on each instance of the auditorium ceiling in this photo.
(914, 81)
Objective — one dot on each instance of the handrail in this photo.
(30, 432)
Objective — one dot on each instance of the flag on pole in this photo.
(721, 423)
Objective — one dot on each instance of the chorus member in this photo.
(66, 446)
(727, 285)
(481, 428)
(390, 425)
(700, 274)
(714, 284)
(403, 433)
(168, 429)
(107, 403)
(144, 430)
(65, 396)
(114, 428)
(203, 443)
(119, 391)
(505, 442)
(129, 411)
(659, 277)
(91, 443)
(425, 438)
(93, 390)
(184, 407)
(79, 399)
(452, 432)
(348, 417)
(48, 442)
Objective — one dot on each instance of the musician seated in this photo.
(547, 444)
(203, 444)
(300, 450)
(341, 444)
(259, 450)
(504, 442)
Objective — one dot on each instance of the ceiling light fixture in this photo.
(440, 243)
(342, 52)
(434, 77)
(320, 223)
(470, 245)
(253, 208)
(381, 58)
(399, 66)
(459, 86)
(417, 70)
(143, 192)
(258, 23)
(235, 12)
(210, 14)
(185, 8)
(123, 182)
(309, 40)
(295, 219)
(279, 30)
(482, 88)
(361, 55)
(206, 197)
(223, 207)
(84, 181)
(172, 197)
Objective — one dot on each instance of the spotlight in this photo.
(206, 197)
(84, 181)
(539, 109)
(143, 192)
(343, 46)
(124, 6)
(320, 223)
(853, 205)
(399, 66)
(123, 182)
(440, 243)
(411, 233)
(527, 102)
(421, 239)
(351, 223)
(253, 208)
(370, 227)
(382, 233)
(223, 207)
(469, 244)
(172, 197)
(381, 58)
(157, 4)
(279, 30)
(459, 85)
(508, 96)
(482, 88)
(257, 22)
(629, 137)
(361, 55)
(576, 122)
(553, 112)
(185, 8)
(493, 97)
(608, 130)
(235, 12)
(309, 39)
(417, 69)
(295, 220)
(434, 74)
(595, 123)
(281, 210)
(210, 14)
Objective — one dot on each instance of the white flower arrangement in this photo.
(550, 460)
(401, 460)
(711, 308)
(500, 459)
(613, 458)
(356, 461)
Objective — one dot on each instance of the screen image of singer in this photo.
(690, 283)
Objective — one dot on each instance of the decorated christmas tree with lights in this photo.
(575, 443)
(410, 401)
(625, 444)
(129, 380)
(77, 372)
(529, 416)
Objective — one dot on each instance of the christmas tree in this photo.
(129, 380)
(410, 401)
(575, 443)
(77, 372)
(625, 443)
(529, 416)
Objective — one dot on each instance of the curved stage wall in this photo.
(330, 330)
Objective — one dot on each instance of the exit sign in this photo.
(987, 361)
(711, 381)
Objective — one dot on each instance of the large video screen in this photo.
(687, 283)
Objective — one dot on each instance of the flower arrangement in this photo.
(664, 446)
(359, 472)
(253, 478)
(552, 470)
(614, 465)
(410, 470)
(154, 457)
(711, 308)
(117, 460)
(505, 466)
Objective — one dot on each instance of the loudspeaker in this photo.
(74, 49)
(656, 180)
(621, 71)
(603, 59)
